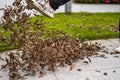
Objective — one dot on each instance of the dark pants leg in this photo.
(56, 3)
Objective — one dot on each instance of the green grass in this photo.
(86, 25)
(81, 25)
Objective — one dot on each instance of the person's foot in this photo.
(42, 6)
(117, 50)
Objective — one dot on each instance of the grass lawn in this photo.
(81, 25)
(84, 25)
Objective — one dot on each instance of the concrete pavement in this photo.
(93, 8)
(100, 68)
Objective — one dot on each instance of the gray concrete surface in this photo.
(92, 71)
(92, 8)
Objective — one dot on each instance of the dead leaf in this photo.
(85, 62)
(72, 66)
(79, 69)
(28, 74)
(102, 55)
(52, 67)
(89, 59)
(105, 73)
(87, 78)
(97, 71)
(116, 56)
(42, 73)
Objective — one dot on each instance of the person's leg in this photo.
(56, 3)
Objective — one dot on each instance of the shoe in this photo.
(117, 50)
(42, 6)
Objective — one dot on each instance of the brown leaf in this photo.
(102, 55)
(27, 74)
(3, 66)
(79, 69)
(116, 56)
(105, 74)
(89, 59)
(97, 71)
(85, 62)
(72, 66)
(42, 73)
(33, 73)
(87, 78)
(52, 66)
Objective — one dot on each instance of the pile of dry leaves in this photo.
(49, 53)
(36, 52)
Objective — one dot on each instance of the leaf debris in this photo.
(105, 73)
(36, 52)
(72, 66)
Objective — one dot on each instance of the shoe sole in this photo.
(38, 8)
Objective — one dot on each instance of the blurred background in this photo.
(80, 6)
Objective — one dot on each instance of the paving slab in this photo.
(100, 68)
